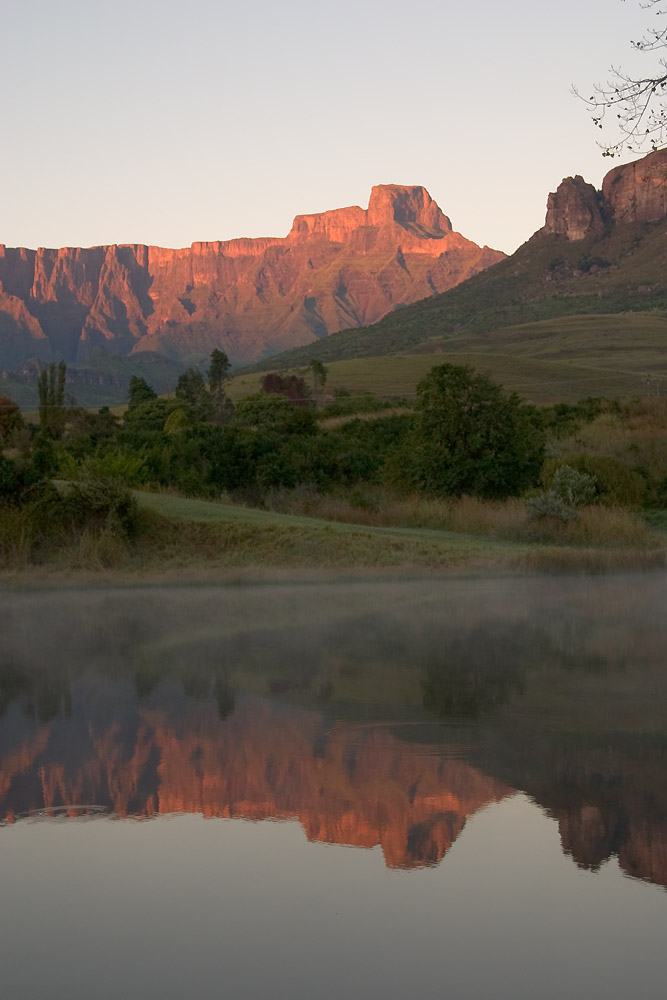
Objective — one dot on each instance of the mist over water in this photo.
(469, 774)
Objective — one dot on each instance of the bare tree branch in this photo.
(638, 104)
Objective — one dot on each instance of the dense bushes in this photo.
(471, 438)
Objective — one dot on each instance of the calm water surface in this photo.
(387, 790)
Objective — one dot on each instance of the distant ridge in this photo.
(250, 297)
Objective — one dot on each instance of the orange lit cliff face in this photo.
(354, 786)
(335, 270)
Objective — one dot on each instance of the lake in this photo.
(321, 789)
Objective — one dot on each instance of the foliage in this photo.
(274, 411)
(346, 404)
(119, 464)
(88, 431)
(319, 373)
(570, 488)
(102, 501)
(145, 417)
(615, 482)
(176, 421)
(51, 387)
(139, 392)
(470, 437)
(549, 504)
(218, 370)
(293, 387)
(192, 395)
(11, 420)
(574, 486)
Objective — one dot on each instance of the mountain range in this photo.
(599, 252)
(250, 297)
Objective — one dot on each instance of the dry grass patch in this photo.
(506, 520)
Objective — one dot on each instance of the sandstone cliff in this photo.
(334, 270)
(633, 192)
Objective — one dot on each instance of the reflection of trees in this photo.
(477, 672)
(43, 695)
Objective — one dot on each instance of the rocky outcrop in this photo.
(637, 192)
(334, 270)
(633, 192)
(574, 209)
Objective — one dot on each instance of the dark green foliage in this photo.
(88, 431)
(139, 392)
(472, 438)
(9, 480)
(221, 408)
(11, 420)
(193, 396)
(273, 411)
(346, 404)
(565, 418)
(51, 387)
(218, 370)
(100, 501)
(319, 372)
(145, 417)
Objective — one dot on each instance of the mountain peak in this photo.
(409, 207)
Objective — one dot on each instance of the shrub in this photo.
(570, 488)
(616, 483)
(549, 504)
(99, 501)
(470, 437)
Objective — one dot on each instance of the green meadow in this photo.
(550, 361)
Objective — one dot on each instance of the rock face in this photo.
(637, 192)
(334, 270)
(634, 192)
(574, 209)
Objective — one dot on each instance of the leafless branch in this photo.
(638, 104)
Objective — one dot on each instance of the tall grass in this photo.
(508, 520)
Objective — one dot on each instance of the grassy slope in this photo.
(547, 278)
(221, 537)
(545, 362)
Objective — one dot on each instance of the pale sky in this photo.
(166, 121)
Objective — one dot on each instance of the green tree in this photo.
(51, 388)
(218, 370)
(139, 392)
(193, 396)
(320, 373)
(472, 438)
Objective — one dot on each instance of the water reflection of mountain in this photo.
(266, 761)
(262, 708)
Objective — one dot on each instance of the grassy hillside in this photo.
(545, 362)
(620, 271)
